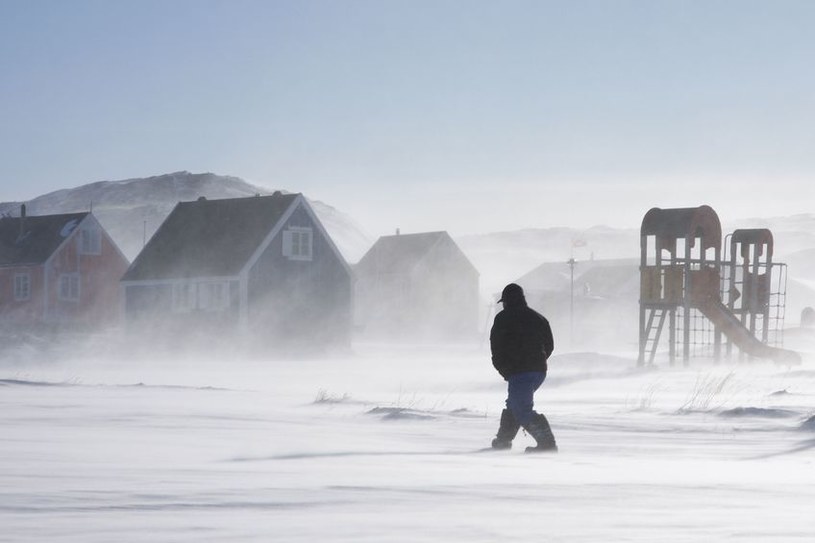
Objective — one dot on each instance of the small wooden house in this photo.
(417, 286)
(58, 271)
(264, 266)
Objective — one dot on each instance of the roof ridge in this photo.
(234, 198)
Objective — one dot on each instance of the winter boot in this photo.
(539, 429)
(507, 431)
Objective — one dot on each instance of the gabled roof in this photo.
(209, 238)
(395, 254)
(612, 280)
(555, 276)
(41, 236)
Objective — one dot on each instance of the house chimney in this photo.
(22, 220)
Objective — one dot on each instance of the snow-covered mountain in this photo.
(132, 209)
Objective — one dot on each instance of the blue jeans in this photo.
(520, 390)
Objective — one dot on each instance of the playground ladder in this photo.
(654, 329)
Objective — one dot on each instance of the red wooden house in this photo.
(58, 271)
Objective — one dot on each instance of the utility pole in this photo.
(571, 264)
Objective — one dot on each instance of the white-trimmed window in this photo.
(297, 243)
(22, 286)
(90, 241)
(69, 287)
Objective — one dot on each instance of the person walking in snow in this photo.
(521, 341)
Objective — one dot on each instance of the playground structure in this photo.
(688, 287)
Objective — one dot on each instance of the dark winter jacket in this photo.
(521, 340)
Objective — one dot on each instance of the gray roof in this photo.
(40, 237)
(612, 280)
(555, 276)
(209, 238)
(395, 254)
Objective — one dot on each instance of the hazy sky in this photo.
(463, 115)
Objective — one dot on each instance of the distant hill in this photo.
(131, 210)
(791, 234)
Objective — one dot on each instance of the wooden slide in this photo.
(732, 327)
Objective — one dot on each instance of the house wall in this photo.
(458, 312)
(152, 306)
(147, 302)
(383, 304)
(98, 304)
(447, 297)
(295, 301)
(437, 298)
(22, 313)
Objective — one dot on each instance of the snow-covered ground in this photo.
(384, 446)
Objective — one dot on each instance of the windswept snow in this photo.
(386, 445)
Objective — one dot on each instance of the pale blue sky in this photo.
(470, 116)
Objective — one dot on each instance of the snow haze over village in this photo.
(255, 257)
